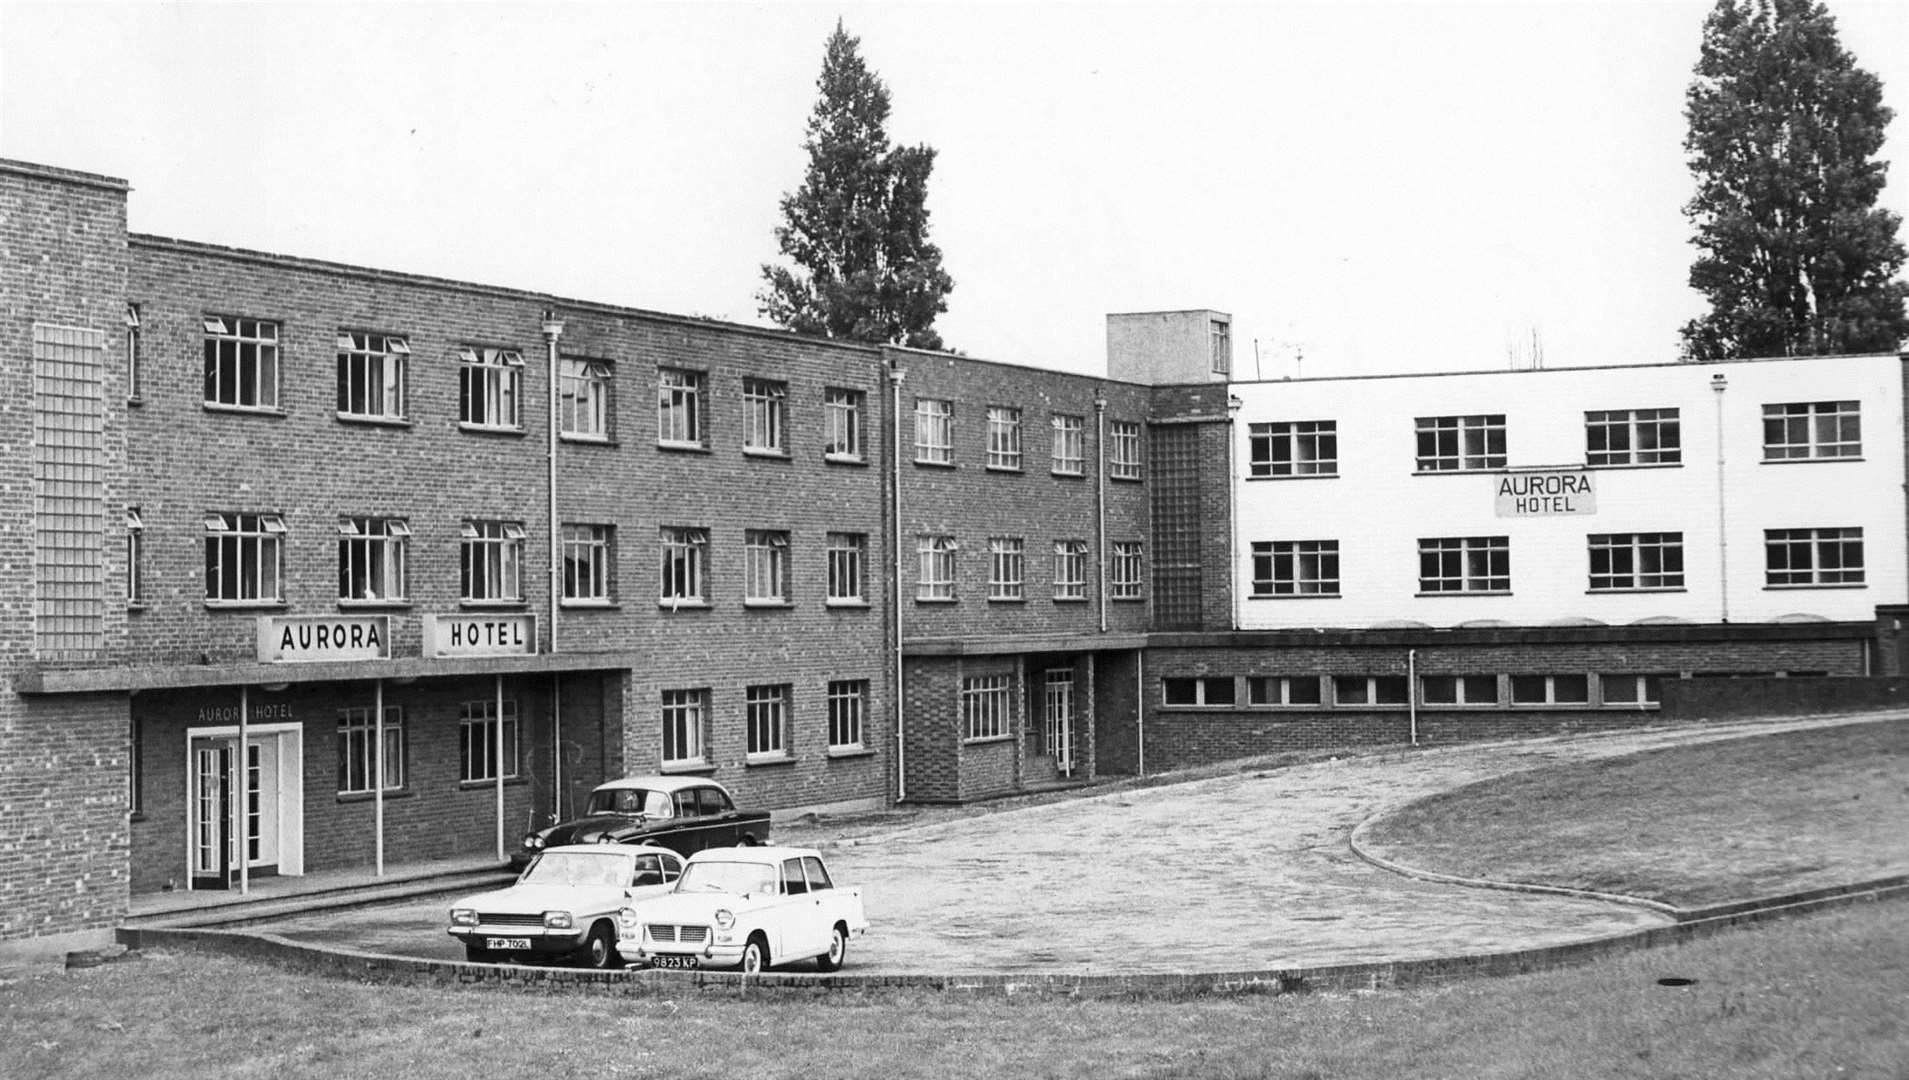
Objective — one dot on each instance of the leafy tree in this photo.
(857, 228)
(1797, 259)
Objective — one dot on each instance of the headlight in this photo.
(724, 918)
(626, 923)
(463, 916)
(532, 841)
(557, 920)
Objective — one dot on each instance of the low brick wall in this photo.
(1733, 699)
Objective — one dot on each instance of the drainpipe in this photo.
(242, 789)
(895, 376)
(1140, 709)
(1718, 384)
(1233, 405)
(377, 770)
(552, 330)
(1100, 501)
(499, 765)
(1411, 691)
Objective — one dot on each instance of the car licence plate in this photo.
(673, 961)
(498, 944)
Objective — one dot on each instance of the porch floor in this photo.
(276, 895)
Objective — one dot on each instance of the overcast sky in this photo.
(1379, 187)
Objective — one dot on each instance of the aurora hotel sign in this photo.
(311, 638)
(1545, 493)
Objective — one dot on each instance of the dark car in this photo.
(682, 813)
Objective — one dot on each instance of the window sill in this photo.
(1012, 470)
(1062, 474)
(1809, 460)
(1469, 470)
(765, 605)
(760, 761)
(490, 429)
(345, 797)
(919, 463)
(1298, 596)
(1070, 599)
(346, 604)
(682, 447)
(487, 785)
(1637, 465)
(246, 605)
(375, 421)
(1125, 479)
(683, 605)
(1128, 599)
(577, 438)
(760, 454)
(1334, 475)
(1817, 586)
(492, 605)
(937, 600)
(1461, 593)
(849, 753)
(1636, 591)
(986, 739)
(1007, 599)
(852, 605)
(588, 605)
(687, 768)
(272, 412)
(845, 459)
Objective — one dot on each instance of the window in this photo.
(1070, 569)
(243, 555)
(1641, 691)
(371, 375)
(685, 712)
(1127, 570)
(1004, 438)
(135, 556)
(684, 572)
(1211, 690)
(583, 398)
(1368, 690)
(765, 417)
(1283, 690)
(1296, 568)
(936, 577)
(1221, 341)
(132, 352)
(1123, 450)
(679, 407)
(765, 560)
(1007, 563)
(1813, 556)
(1464, 564)
(985, 707)
(1812, 429)
(241, 362)
(848, 705)
(934, 432)
(372, 558)
(491, 562)
(358, 745)
(1458, 689)
(66, 473)
(480, 740)
(1636, 561)
(1633, 437)
(848, 560)
(1460, 443)
(1293, 448)
(1069, 446)
(1550, 689)
(766, 711)
(842, 424)
(586, 563)
(488, 385)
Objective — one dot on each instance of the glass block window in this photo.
(69, 493)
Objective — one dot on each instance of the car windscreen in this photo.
(578, 868)
(642, 801)
(729, 877)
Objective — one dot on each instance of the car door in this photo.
(720, 813)
(806, 929)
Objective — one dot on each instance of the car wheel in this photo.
(755, 955)
(477, 955)
(598, 951)
(838, 950)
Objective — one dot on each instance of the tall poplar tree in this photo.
(1797, 259)
(857, 228)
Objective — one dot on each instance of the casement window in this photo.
(848, 568)
(1461, 443)
(1070, 569)
(1007, 567)
(1808, 557)
(588, 555)
(934, 431)
(1004, 438)
(766, 716)
(1550, 689)
(679, 407)
(842, 424)
(241, 362)
(1127, 579)
(135, 557)
(244, 554)
(986, 707)
(765, 561)
(1070, 449)
(358, 750)
(1632, 690)
(491, 562)
(685, 727)
(371, 375)
(1296, 568)
(479, 739)
(489, 388)
(1123, 450)
(685, 569)
(133, 356)
(1369, 690)
(1458, 689)
(1208, 690)
(848, 707)
(1633, 437)
(373, 559)
(935, 557)
(765, 417)
(1293, 448)
(1220, 342)
(1622, 562)
(1282, 690)
(583, 398)
(1807, 430)
(1464, 564)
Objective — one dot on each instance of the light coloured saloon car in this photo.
(751, 908)
(564, 906)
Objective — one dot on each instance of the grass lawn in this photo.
(1690, 826)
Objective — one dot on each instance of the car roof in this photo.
(753, 853)
(615, 849)
(660, 783)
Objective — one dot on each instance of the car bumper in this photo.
(712, 956)
(521, 941)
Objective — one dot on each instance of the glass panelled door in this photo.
(1057, 713)
(210, 807)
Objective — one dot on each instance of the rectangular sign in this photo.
(1545, 494)
(291, 639)
(480, 635)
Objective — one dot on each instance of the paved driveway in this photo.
(1247, 871)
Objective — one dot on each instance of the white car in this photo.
(564, 906)
(747, 907)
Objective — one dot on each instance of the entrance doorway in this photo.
(243, 804)
(1057, 719)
